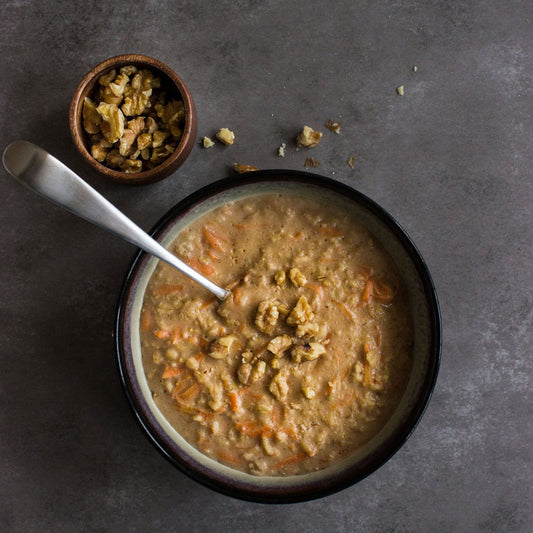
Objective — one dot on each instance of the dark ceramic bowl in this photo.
(171, 82)
(426, 350)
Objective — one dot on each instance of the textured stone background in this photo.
(452, 160)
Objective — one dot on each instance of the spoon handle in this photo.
(44, 174)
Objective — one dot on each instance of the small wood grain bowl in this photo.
(170, 82)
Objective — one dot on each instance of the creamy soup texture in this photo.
(308, 356)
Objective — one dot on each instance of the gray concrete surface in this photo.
(452, 160)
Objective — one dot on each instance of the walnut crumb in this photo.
(225, 136)
(281, 150)
(207, 142)
(241, 169)
(308, 137)
(312, 162)
(335, 127)
(351, 162)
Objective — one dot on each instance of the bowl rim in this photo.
(185, 144)
(354, 473)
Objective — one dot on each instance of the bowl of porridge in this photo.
(315, 369)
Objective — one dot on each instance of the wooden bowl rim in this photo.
(176, 159)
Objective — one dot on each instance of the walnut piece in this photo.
(279, 386)
(308, 137)
(311, 162)
(207, 142)
(308, 352)
(225, 136)
(244, 373)
(91, 117)
(335, 127)
(297, 278)
(112, 122)
(220, 348)
(280, 277)
(267, 317)
(279, 345)
(241, 169)
(134, 94)
(301, 313)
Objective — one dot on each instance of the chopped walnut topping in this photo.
(220, 348)
(280, 277)
(225, 136)
(309, 352)
(311, 330)
(106, 79)
(244, 373)
(112, 124)
(351, 162)
(91, 117)
(279, 345)
(258, 371)
(297, 278)
(308, 392)
(301, 313)
(358, 371)
(131, 166)
(131, 94)
(279, 386)
(308, 137)
(266, 317)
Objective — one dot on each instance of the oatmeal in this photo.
(303, 362)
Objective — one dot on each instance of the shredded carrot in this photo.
(214, 238)
(146, 319)
(214, 255)
(201, 267)
(228, 457)
(382, 292)
(199, 356)
(177, 336)
(346, 310)
(207, 303)
(251, 429)
(232, 285)
(164, 290)
(331, 231)
(297, 235)
(172, 371)
(317, 288)
(367, 292)
(162, 333)
(237, 295)
(191, 392)
(235, 401)
(291, 460)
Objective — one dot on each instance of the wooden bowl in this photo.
(172, 82)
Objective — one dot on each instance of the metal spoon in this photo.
(44, 174)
